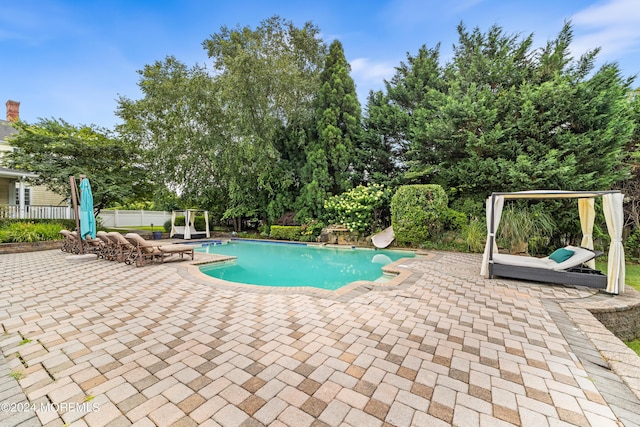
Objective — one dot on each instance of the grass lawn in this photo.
(149, 228)
(632, 274)
(632, 278)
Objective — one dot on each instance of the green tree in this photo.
(180, 126)
(232, 136)
(54, 150)
(269, 78)
(380, 150)
(338, 121)
(501, 116)
(414, 96)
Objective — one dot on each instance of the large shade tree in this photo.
(180, 124)
(54, 150)
(269, 79)
(229, 135)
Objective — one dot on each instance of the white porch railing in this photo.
(36, 212)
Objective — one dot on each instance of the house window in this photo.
(27, 196)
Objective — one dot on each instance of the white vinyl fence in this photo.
(120, 218)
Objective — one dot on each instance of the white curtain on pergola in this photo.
(614, 216)
(498, 204)
(613, 212)
(587, 213)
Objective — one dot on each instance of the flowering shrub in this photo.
(356, 208)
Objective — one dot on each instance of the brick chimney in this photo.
(13, 111)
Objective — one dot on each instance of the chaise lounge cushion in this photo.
(580, 256)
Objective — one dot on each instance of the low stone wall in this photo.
(623, 324)
(622, 315)
(341, 236)
(14, 248)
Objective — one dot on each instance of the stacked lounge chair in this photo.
(131, 248)
(108, 246)
(147, 251)
(124, 251)
(71, 244)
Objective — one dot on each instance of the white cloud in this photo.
(367, 72)
(611, 12)
(612, 25)
(369, 76)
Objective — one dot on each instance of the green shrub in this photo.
(454, 220)
(632, 245)
(264, 229)
(20, 232)
(418, 212)
(310, 230)
(69, 224)
(199, 223)
(474, 234)
(49, 231)
(285, 232)
(473, 208)
(524, 228)
(356, 208)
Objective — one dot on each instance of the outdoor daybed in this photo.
(570, 271)
(188, 231)
(495, 264)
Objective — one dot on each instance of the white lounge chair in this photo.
(572, 271)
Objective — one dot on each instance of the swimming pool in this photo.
(293, 264)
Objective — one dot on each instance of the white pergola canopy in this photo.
(613, 213)
(188, 231)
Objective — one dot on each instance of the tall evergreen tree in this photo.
(330, 157)
(414, 96)
(380, 150)
(501, 116)
(517, 119)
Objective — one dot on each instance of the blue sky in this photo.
(71, 59)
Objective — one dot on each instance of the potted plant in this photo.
(157, 235)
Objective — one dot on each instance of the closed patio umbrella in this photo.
(87, 219)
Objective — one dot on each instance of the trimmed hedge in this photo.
(285, 232)
(418, 212)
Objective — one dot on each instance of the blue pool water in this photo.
(284, 264)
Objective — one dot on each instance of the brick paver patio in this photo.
(97, 343)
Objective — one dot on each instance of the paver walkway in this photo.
(99, 343)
